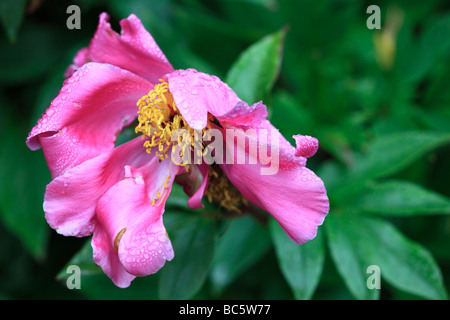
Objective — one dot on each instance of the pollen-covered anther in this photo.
(222, 192)
(159, 118)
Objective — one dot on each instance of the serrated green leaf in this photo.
(405, 264)
(301, 265)
(400, 198)
(193, 242)
(243, 243)
(254, 73)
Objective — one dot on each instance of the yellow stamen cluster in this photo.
(159, 118)
(222, 192)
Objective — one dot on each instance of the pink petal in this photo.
(306, 146)
(134, 49)
(133, 223)
(196, 93)
(242, 115)
(71, 198)
(194, 183)
(282, 142)
(107, 258)
(263, 134)
(80, 59)
(294, 195)
(85, 118)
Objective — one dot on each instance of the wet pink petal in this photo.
(84, 119)
(197, 93)
(293, 194)
(299, 205)
(71, 198)
(107, 258)
(262, 131)
(80, 59)
(194, 183)
(306, 146)
(243, 115)
(134, 49)
(132, 221)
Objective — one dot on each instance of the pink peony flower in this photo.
(118, 193)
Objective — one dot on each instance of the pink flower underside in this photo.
(83, 121)
(134, 50)
(195, 183)
(106, 194)
(132, 241)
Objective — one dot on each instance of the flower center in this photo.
(222, 192)
(159, 118)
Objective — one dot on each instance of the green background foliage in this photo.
(377, 100)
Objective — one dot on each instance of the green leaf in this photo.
(417, 57)
(392, 152)
(23, 177)
(405, 264)
(254, 73)
(349, 257)
(43, 47)
(387, 155)
(11, 14)
(83, 259)
(193, 242)
(300, 118)
(270, 4)
(99, 286)
(96, 285)
(301, 265)
(177, 197)
(243, 243)
(439, 121)
(399, 198)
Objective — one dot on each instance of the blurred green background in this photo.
(378, 100)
